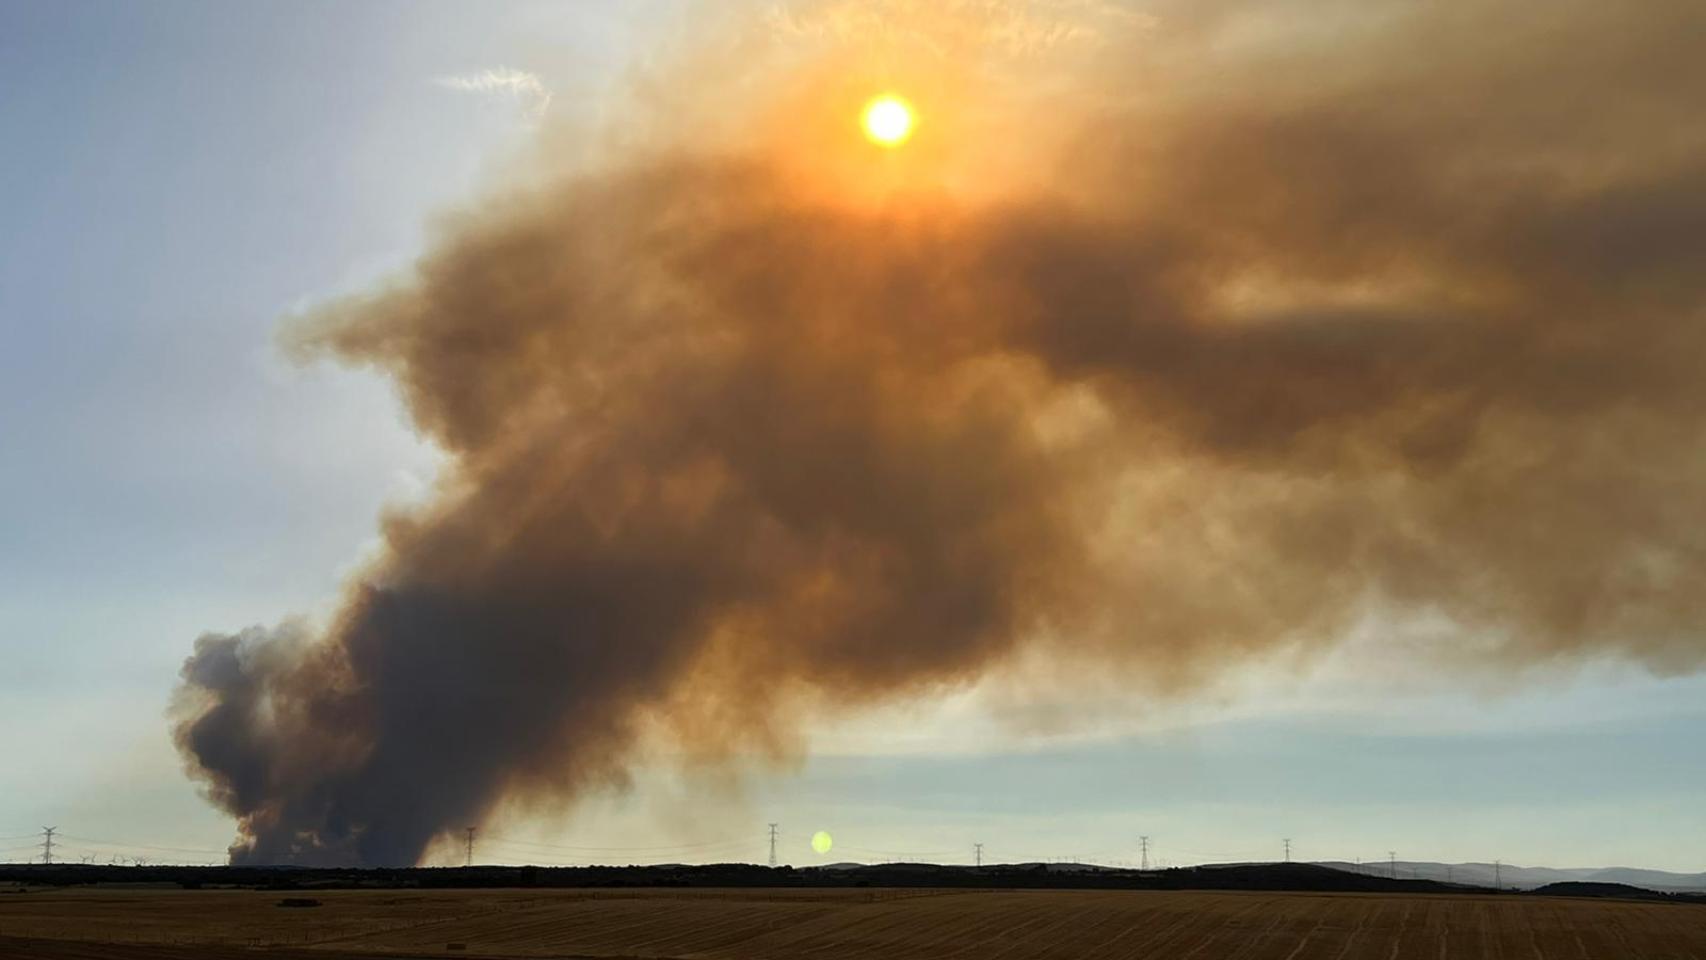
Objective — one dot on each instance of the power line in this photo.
(53, 849)
(141, 846)
(921, 854)
(572, 849)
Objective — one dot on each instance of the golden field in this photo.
(867, 924)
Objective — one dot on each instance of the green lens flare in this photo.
(821, 842)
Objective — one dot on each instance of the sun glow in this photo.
(888, 120)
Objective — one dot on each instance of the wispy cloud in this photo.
(948, 28)
(506, 82)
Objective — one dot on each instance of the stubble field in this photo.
(117, 924)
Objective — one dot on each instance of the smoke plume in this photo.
(1170, 343)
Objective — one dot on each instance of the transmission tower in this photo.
(47, 844)
(1143, 844)
(977, 849)
(1392, 858)
(1498, 875)
(1287, 849)
(468, 858)
(773, 844)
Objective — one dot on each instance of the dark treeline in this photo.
(1292, 876)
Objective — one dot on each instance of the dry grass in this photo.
(843, 925)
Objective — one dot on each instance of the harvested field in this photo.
(101, 924)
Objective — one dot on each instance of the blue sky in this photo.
(176, 177)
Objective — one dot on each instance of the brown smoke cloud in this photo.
(1173, 341)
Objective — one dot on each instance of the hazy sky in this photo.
(176, 177)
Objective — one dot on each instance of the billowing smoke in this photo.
(1225, 330)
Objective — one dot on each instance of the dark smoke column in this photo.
(669, 497)
(1316, 335)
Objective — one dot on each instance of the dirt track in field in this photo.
(85, 924)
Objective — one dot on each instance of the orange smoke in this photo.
(1166, 344)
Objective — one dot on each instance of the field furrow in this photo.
(863, 924)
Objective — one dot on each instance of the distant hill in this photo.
(1527, 878)
(1620, 891)
(1256, 876)
(1301, 877)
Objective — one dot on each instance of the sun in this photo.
(888, 120)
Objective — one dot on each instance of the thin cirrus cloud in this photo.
(520, 86)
